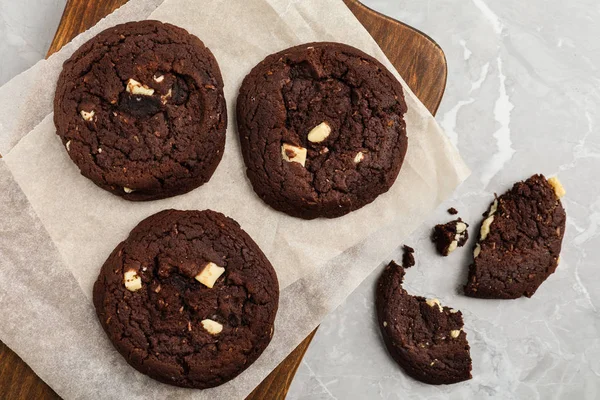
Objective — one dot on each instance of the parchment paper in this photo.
(318, 262)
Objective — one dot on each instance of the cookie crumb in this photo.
(408, 257)
(452, 211)
(449, 236)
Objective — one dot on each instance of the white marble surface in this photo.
(26, 31)
(522, 97)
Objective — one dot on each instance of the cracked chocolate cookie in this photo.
(322, 129)
(426, 339)
(188, 298)
(519, 241)
(140, 110)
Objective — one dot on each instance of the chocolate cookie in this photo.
(423, 337)
(188, 299)
(140, 110)
(322, 129)
(448, 237)
(519, 242)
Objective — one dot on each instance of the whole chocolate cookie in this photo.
(424, 338)
(519, 241)
(322, 129)
(188, 299)
(140, 110)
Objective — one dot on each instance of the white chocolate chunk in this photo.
(128, 190)
(359, 157)
(134, 87)
(99, 150)
(292, 153)
(461, 227)
(433, 303)
(493, 208)
(159, 79)
(319, 132)
(453, 311)
(212, 327)
(166, 97)
(454, 333)
(477, 250)
(485, 227)
(453, 245)
(384, 323)
(132, 281)
(68, 145)
(87, 115)
(559, 190)
(209, 274)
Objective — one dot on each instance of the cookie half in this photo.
(188, 298)
(322, 129)
(423, 337)
(519, 241)
(140, 110)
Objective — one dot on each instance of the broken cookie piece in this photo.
(519, 242)
(408, 257)
(426, 339)
(448, 237)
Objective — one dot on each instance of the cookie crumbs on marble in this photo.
(448, 237)
(408, 256)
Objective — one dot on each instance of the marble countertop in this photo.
(522, 97)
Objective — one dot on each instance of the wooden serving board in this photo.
(420, 61)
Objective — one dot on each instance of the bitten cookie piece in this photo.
(447, 237)
(140, 110)
(423, 337)
(322, 129)
(519, 241)
(188, 298)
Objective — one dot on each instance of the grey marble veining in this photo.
(522, 97)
